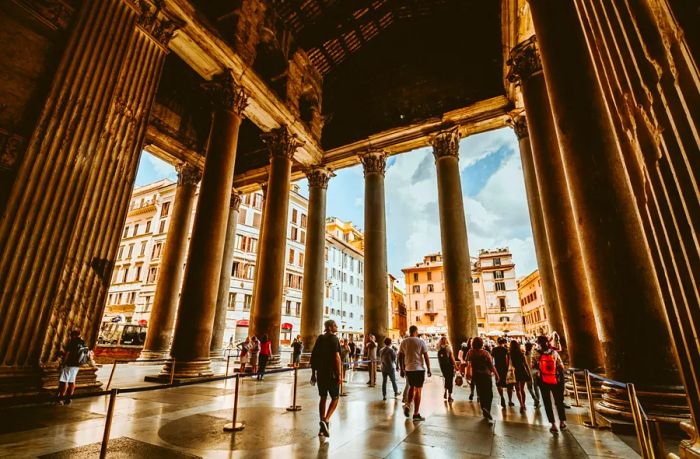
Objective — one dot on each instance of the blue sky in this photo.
(492, 187)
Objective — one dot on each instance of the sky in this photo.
(493, 190)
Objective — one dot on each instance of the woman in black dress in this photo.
(446, 359)
(522, 373)
(500, 360)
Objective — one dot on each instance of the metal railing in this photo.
(648, 429)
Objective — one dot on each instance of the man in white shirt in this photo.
(412, 353)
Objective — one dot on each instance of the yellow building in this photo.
(532, 304)
(425, 295)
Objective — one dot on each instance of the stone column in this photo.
(195, 315)
(375, 264)
(60, 231)
(266, 313)
(539, 232)
(456, 267)
(217, 334)
(314, 261)
(571, 279)
(256, 271)
(623, 287)
(170, 268)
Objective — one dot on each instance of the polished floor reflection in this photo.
(188, 422)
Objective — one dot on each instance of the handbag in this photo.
(458, 380)
(510, 375)
(468, 372)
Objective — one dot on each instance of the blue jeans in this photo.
(391, 375)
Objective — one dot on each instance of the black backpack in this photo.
(83, 354)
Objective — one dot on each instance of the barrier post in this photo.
(573, 381)
(228, 361)
(342, 381)
(108, 423)
(294, 406)
(591, 401)
(172, 371)
(640, 426)
(234, 426)
(111, 374)
(372, 373)
(655, 440)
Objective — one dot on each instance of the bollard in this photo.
(172, 371)
(111, 374)
(294, 406)
(108, 423)
(234, 426)
(576, 397)
(591, 402)
(228, 361)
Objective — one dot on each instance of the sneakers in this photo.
(511, 404)
(471, 396)
(324, 429)
(486, 414)
(450, 399)
(406, 410)
(503, 402)
(444, 395)
(67, 401)
(396, 395)
(554, 429)
(418, 417)
(563, 426)
(384, 398)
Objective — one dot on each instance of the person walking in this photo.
(532, 385)
(265, 354)
(446, 360)
(297, 349)
(480, 369)
(371, 353)
(548, 365)
(521, 368)
(412, 353)
(345, 354)
(326, 370)
(253, 351)
(462, 357)
(75, 353)
(387, 355)
(500, 359)
(243, 356)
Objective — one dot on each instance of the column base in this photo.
(668, 404)
(305, 360)
(596, 386)
(217, 354)
(187, 369)
(154, 355)
(690, 449)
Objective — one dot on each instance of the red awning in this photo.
(287, 326)
(143, 322)
(242, 323)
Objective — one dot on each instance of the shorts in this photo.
(296, 358)
(68, 374)
(328, 387)
(415, 378)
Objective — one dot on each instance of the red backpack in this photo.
(548, 369)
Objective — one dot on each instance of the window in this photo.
(504, 319)
(430, 287)
(231, 305)
(291, 256)
(498, 274)
(247, 302)
(165, 209)
(302, 237)
(416, 289)
(148, 227)
(142, 251)
(430, 275)
(126, 273)
(120, 253)
(137, 277)
(303, 220)
(155, 253)
(497, 262)
(476, 294)
(301, 259)
(475, 280)
(325, 251)
(126, 232)
(417, 304)
(478, 310)
(152, 274)
(294, 216)
(298, 309)
(130, 297)
(161, 229)
(417, 319)
(500, 285)
(294, 233)
(288, 308)
(242, 215)
(430, 305)
(351, 298)
(502, 304)
(136, 229)
(415, 277)
(257, 220)
(130, 251)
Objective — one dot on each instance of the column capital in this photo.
(187, 174)
(225, 93)
(373, 162)
(319, 176)
(155, 22)
(235, 203)
(519, 124)
(281, 143)
(524, 61)
(446, 143)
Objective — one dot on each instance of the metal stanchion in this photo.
(639, 424)
(372, 374)
(294, 406)
(342, 382)
(573, 381)
(111, 374)
(655, 440)
(172, 371)
(108, 423)
(228, 361)
(234, 426)
(591, 402)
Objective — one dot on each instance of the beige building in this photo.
(425, 295)
(496, 274)
(532, 304)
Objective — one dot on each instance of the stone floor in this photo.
(188, 422)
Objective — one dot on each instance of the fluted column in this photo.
(314, 260)
(567, 261)
(60, 231)
(170, 269)
(375, 263)
(456, 266)
(539, 232)
(623, 288)
(219, 330)
(266, 313)
(195, 315)
(256, 271)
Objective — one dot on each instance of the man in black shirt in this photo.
(297, 347)
(326, 371)
(69, 366)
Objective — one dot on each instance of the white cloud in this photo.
(161, 167)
